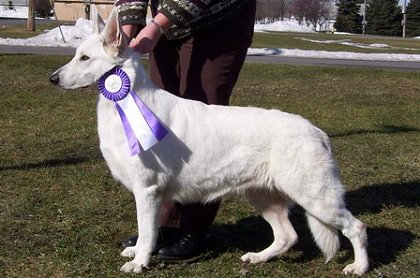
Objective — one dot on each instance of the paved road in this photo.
(13, 49)
(399, 65)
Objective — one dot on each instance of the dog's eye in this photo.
(84, 58)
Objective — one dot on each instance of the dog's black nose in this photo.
(54, 78)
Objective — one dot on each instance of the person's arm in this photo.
(170, 12)
(132, 16)
(182, 13)
(148, 37)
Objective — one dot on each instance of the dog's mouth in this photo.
(55, 80)
(75, 88)
(71, 88)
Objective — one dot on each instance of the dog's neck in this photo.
(154, 97)
(134, 68)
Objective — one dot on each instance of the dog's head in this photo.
(94, 57)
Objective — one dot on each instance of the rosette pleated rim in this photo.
(125, 85)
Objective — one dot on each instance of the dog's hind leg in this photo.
(326, 212)
(315, 185)
(355, 231)
(274, 209)
(147, 207)
(324, 219)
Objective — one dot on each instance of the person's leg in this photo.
(207, 66)
(166, 72)
(191, 221)
(208, 73)
(210, 62)
(165, 66)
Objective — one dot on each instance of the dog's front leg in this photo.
(148, 202)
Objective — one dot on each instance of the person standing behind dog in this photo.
(196, 51)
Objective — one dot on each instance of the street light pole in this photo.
(364, 19)
(404, 21)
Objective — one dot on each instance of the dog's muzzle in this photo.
(55, 78)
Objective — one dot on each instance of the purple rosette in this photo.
(115, 84)
(141, 126)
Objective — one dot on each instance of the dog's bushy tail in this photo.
(325, 236)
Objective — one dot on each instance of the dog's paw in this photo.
(132, 267)
(253, 258)
(129, 252)
(355, 268)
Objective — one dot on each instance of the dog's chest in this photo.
(110, 128)
(112, 140)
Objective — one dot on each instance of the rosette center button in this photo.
(113, 83)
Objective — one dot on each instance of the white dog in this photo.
(272, 158)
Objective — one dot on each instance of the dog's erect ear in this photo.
(98, 22)
(114, 39)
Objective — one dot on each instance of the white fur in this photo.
(271, 157)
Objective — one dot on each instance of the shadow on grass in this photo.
(385, 243)
(50, 163)
(253, 234)
(385, 129)
(374, 198)
(273, 51)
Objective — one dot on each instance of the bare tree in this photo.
(283, 8)
(272, 10)
(30, 23)
(298, 9)
(262, 10)
(314, 12)
(317, 12)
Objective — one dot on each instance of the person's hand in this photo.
(149, 36)
(147, 39)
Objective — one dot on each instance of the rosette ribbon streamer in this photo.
(142, 128)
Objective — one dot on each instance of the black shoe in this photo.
(186, 249)
(130, 241)
(165, 235)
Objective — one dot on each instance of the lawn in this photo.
(62, 215)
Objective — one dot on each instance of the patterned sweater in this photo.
(188, 15)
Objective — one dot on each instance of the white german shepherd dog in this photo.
(272, 158)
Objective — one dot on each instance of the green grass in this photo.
(62, 215)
